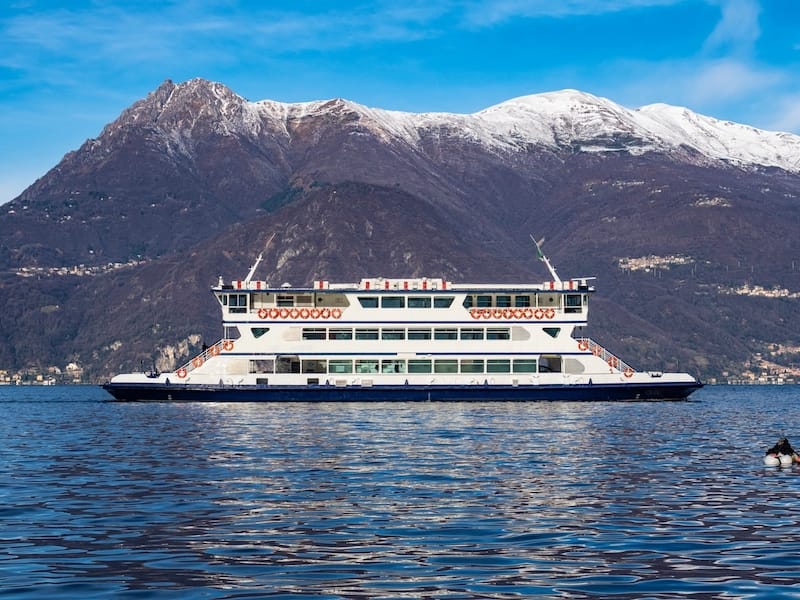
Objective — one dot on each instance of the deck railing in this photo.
(613, 361)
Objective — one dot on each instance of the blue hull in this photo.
(400, 393)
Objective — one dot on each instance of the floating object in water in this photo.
(781, 454)
(772, 460)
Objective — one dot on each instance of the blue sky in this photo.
(70, 67)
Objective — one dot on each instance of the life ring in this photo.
(214, 350)
(227, 345)
(508, 313)
(294, 313)
(538, 313)
(597, 351)
(315, 313)
(181, 373)
(274, 313)
(517, 313)
(263, 313)
(304, 313)
(197, 361)
(475, 313)
(550, 313)
(284, 312)
(613, 362)
(336, 313)
(628, 372)
(486, 313)
(583, 345)
(497, 313)
(528, 313)
(326, 313)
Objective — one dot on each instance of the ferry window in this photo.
(366, 334)
(472, 365)
(471, 334)
(368, 301)
(314, 366)
(340, 366)
(572, 302)
(366, 366)
(552, 331)
(340, 334)
(310, 333)
(525, 365)
(445, 366)
(259, 331)
(522, 301)
(419, 366)
(304, 300)
(393, 302)
(262, 366)
(232, 333)
(393, 334)
(414, 302)
(484, 301)
(503, 301)
(498, 333)
(469, 302)
(237, 303)
(498, 365)
(393, 366)
(442, 301)
(445, 334)
(549, 299)
(419, 334)
(284, 300)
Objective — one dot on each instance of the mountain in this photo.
(689, 223)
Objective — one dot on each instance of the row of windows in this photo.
(401, 333)
(403, 301)
(395, 365)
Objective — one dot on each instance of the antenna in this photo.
(258, 260)
(544, 259)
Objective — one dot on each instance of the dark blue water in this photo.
(594, 500)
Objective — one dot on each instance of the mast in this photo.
(544, 259)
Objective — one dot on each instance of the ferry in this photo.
(400, 340)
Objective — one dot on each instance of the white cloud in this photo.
(787, 114)
(738, 29)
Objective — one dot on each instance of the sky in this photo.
(67, 68)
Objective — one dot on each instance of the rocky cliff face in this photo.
(674, 212)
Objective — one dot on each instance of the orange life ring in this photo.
(497, 313)
(181, 373)
(508, 313)
(326, 313)
(214, 350)
(583, 345)
(517, 313)
(550, 313)
(263, 313)
(475, 313)
(274, 313)
(294, 313)
(227, 345)
(486, 313)
(197, 361)
(538, 314)
(304, 313)
(597, 350)
(528, 313)
(315, 313)
(613, 362)
(284, 312)
(336, 313)
(628, 372)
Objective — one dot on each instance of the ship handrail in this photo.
(213, 350)
(613, 361)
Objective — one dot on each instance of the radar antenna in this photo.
(544, 259)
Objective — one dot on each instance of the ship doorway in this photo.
(550, 363)
(287, 364)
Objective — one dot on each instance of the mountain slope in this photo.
(674, 212)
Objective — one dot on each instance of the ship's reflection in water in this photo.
(482, 500)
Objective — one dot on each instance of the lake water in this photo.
(386, 501)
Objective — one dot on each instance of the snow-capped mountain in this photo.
(189, 183)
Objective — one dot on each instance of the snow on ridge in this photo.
(552, 119)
